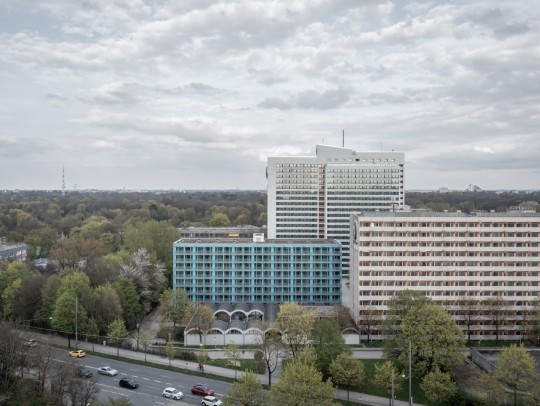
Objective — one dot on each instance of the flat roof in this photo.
(276, 241)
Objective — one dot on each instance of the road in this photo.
(151, 381)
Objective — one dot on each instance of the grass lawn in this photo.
(249, 364)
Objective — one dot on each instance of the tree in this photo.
(123, 401)
(43, 358)
(438, 386)
(201, 319)
(493, 390)
(149, 277)
(202, 357)
(295, 321)
(68, 317)
(469, 310)
(10, 347)
(327, 342)
(145, 339)
(369, 319)
(219, 220)
(117, 333)
(81, 392)
(155, 237)
(270, 345)
(497, 310)
(435, 339)
(301, 384)
(107, 306)
(246, 391)
(398, 308)
(169, 349)
(347, 371)
(232, 352)
(383, 378)
(173, 305)
(517, 369)
(129, 299)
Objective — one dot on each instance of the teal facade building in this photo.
(257, 270)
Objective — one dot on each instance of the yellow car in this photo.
(77, 353)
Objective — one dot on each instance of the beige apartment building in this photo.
(449, 256)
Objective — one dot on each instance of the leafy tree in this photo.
(301, 384)
(107, 306)
(469, 310)
(498, 311)
(246, 391)
(398, 308)
(232, 352)
(149, 277)
(201, 319)
(327, 342)
(68, 252)
(493, 390)
(9, 295)
(295, 321)
(117, 333)
(155, 237)
(48, 300)
(219, 220)
(383, 378)
(129, 299)
(270, 344)
(67, 317)
(517, 369)
(27, 302)
(173, 305)
(435, 339)
(169, 349)
(347, 371)
(145, 338)
(104, 270)
(77, 284)
(438, 386)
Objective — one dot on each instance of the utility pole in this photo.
(76, 322)
(410, 375)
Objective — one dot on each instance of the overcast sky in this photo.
(196, 94)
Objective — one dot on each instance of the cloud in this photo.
(310, 99)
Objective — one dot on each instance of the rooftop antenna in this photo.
(63, 182)
(343, 138)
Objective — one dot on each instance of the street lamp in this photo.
(410, 374)
(215, 345)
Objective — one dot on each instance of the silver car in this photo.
(107, 371)
(172, 393)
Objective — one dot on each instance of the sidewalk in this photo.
(193, 366)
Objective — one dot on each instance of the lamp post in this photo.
(392, 394)
(76, 322)
(410, 374)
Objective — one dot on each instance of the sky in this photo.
(196, 94)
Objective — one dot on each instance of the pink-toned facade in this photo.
(447, 256)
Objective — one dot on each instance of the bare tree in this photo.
(369, 320)
(10, 349)
(43, 361)
(201, 319)
(498, 312)
(271, 347)
(81, 391)
(469, 310)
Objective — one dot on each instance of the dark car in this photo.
(128, 383)
(84, 373)
(202, 390)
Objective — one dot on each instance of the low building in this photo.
(257, 270)
(12, 252)
(246, 231)
(448, 256)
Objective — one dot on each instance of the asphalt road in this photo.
(151, 381)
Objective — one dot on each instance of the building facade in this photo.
(313, 196)
(491, 257)
(257, 270)
(221, 232)
(12, 252)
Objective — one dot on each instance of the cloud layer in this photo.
(196, 94)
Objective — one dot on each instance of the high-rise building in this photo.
(314, 196)
(491, 258)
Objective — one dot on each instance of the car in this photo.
(31, 342)
(202, 390)
(107, 371)
(211, 401)
(172, 393)
(77, 353)
(83, 372)
(128, 383)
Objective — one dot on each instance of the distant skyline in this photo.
(196, 94)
